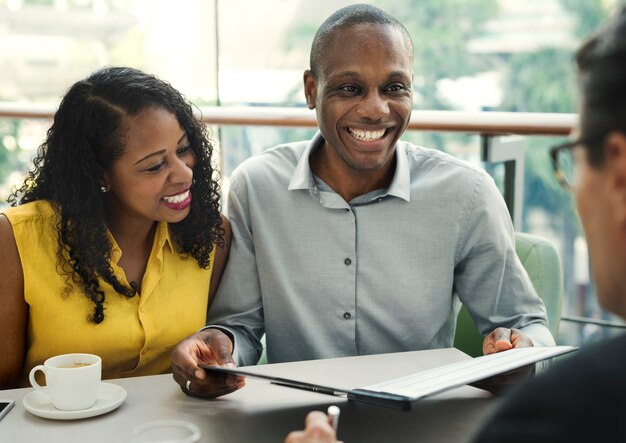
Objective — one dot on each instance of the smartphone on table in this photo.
(5, 406)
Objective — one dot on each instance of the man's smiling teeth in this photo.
(367, 136)
(177, 198)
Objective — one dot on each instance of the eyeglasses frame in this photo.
(554, 157)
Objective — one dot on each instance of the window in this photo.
(473, 55)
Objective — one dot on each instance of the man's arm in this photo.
(238, 305)
(491, 281)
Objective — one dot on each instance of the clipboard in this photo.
(400, 393)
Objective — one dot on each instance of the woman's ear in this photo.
(104, 182)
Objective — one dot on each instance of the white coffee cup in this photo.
(72, 380)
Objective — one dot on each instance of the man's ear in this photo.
(310, 88)
(615, 159)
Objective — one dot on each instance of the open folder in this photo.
(401, 392)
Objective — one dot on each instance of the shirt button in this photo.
(347, 315)
(347, 262)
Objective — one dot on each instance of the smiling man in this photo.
(361, 92)
(355, 242)
(582, 398)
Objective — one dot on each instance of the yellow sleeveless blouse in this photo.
(137, 334)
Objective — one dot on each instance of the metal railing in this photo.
(485, 123)
(592, 321)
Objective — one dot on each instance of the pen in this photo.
(333, 416)
(308, 387)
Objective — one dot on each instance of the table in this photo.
(262, 412)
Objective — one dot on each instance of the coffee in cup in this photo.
(77, 364)
(72, 380)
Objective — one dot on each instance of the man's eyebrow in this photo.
(182, 137)
(400, 74)
(346, 74)
(355, 74)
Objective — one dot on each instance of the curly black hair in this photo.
(84, 140)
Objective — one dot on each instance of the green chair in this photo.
(543, 265)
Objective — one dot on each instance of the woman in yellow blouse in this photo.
(114, 244)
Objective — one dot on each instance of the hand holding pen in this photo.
(333, 417)
(320, 428)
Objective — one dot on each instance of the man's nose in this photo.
(374, 106)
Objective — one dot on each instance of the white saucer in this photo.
(109, 398)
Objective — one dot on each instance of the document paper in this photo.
(400, 392)
(433, 381)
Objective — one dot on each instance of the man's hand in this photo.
(210, 347)
(503, 339)
(318, 430)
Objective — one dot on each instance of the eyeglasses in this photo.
(563, 162)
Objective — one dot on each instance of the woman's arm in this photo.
(13, 309)
(221, 257)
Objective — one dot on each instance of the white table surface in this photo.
(262, 412)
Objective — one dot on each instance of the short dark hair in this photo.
(601, 62)
(350, 16)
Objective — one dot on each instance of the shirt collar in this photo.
(400, 185)
(161, 238)
(302, 177)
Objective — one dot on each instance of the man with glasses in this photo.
(583, 397)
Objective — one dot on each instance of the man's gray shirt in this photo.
(325, 278)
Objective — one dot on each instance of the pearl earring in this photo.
(103, 189)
